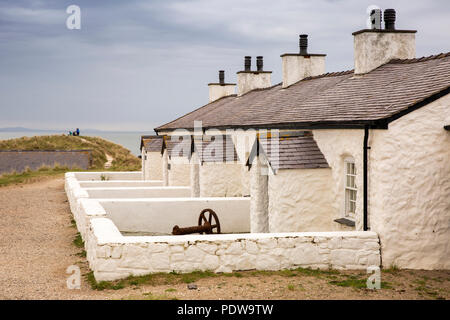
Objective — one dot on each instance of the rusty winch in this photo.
(206, 224)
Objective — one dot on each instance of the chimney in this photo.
(376, 46)
(248, 80)
(297, 66)
(220, 89)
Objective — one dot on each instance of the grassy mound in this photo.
(123, 159)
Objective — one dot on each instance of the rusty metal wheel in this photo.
(209, 217)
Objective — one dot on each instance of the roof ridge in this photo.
(421, 59)
(262, 89)
(324, 75)
(205, 105)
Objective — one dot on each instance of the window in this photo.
(350, 187)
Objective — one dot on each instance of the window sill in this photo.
(345, 221)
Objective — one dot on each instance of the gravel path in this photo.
(36, 243)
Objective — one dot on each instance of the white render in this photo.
(372, 49)
(301, 200)
(409, 188)
(179, 172)
(296, 67)
(259, 199)
(195, 175)
(160, 215)
(107, 175)
(121, 183)
(217, 91)
(220, 180)
(165, 168)
(336, 146)
(138, 192)
(250, 80)
(153, 166)
(112, 256)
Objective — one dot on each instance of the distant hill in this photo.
(122, 158)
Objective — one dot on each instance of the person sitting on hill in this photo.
(78, 132)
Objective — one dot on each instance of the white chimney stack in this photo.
(249, 80)
(376, 46)
(297, 66)
(220, 89)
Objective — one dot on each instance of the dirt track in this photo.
(36, 248)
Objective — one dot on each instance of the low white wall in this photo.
(160, 215)
(138, 192)
(113, 175)
(112, 256)
(121, 183)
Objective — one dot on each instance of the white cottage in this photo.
(364, 149)
(151, 155)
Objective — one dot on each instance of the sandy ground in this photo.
(36, 248)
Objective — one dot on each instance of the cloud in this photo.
(146, 62)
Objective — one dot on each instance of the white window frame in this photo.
(350, 190)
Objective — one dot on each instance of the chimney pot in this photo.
(303, 43)
(389, 19)
(247, 63)
(259, 63)
(221, 76)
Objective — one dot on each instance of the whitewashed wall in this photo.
(160, 215)
(138, 192)
(120, 183)
(153, 166)
(336, 145)
(108, 175)
(112, 256)
(221, 180)
(180, 172)
(301, 200)
(409, 184)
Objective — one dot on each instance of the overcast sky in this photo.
(137, 64)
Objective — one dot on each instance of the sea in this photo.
(129, 140)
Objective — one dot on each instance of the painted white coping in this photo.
(108, 175)
(138, 192)
(121, 183)
(160, 215)
(112, 256)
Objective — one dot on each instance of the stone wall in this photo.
(112, 256)
(301, 200)
(153, 166)
(220, 180)
(20, 160)
(409, 188)
(336, 145)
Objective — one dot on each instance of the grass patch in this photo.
(291, 287)
(392, 269)
(78, 241)
(123, 159)
(357, 283)
(31, 176)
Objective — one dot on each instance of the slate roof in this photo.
(178, 146)
(333, 99)
(295, 151)
(216, 149)
(151, 143)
